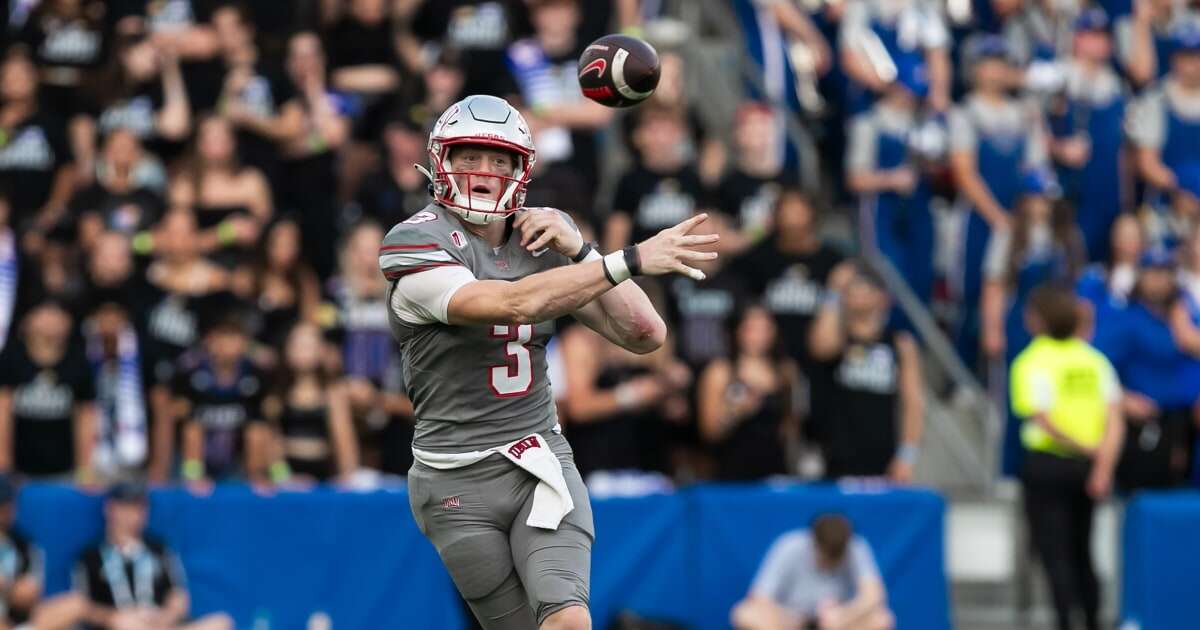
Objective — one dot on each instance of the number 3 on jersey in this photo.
(515, 377)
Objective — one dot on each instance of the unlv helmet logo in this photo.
(598, 64)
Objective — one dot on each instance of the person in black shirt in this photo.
(126, 196)
(363, 61)
(662, 189)
(68, 39)
(35, 158)
(875, 412)
(747, 402)
(220, 391)
(481, 29)
(748, 191)
(47, 390)
(131, 580)
(395, 191)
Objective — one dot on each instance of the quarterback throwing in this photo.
(477, 281)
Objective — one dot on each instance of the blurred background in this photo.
(192, 196)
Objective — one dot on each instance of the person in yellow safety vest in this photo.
(1068, 397)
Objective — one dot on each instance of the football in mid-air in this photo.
(618, 71)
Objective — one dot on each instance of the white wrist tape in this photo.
(593, 255)
(618, 271)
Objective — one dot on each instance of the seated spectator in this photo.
(822, 578)
(1144, 38)
(309, 158)
(120, 373)
(885, 170)
(309, 411)
(35, 160)
(1105, 286)
(544, 73)
(994, 138)
(47, 394)
(873, 416)
(232, 203)
(1163, 126)
(1087, 141)
(1158, 379)
(395, 191)
(661, 189)
(131, 580)
(219, 394)
(22, 573)
(747, 192)
(747, 404)
(907, 33)
(126, 196)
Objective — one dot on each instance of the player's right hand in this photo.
(670, 250)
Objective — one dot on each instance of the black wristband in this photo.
(633, 260)
(583, 252)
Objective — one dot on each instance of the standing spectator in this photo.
(182, 29)
(823, 577)
(123, 411)
(1144, 38)
(480, 29)
(1105, 286)
(1159, 379)
(883, 168)
(362, 60)
(662, 189)
(875, 409)
(131, 580)
(748, 191)
(994, 139)
(47, 394)
(1040, 32)
(220, 392)
(395, 190)
(1164, 127)
(126, 195)
(285, 288)
(907, 33)
(308, 158)
(68, 39)
(35, 160)
(309, 411)
(1086, 137)
(747, 403)
(1068, 396)
(231, 202)
(544, 70)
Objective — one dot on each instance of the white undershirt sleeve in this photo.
(422, 298)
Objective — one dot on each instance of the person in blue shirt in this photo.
(885, 172)
(1104, 287)
(1144, 37)
(1159, 379)
(878, 38)
(994, 139)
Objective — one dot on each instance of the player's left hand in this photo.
(547, 227)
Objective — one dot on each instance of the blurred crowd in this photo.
(193, 192)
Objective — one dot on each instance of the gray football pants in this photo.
(513, 576)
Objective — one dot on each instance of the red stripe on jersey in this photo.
(408, 248)
(399, 273)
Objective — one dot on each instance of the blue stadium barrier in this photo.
(1162, 553)
(359, 558)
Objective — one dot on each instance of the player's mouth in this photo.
(485, 191)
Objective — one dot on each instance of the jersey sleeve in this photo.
(424, 298)
(419, 244)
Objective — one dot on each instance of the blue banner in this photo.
(1162, 554)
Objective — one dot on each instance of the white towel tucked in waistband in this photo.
(551, 499)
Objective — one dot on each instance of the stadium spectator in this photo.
(1069, 398)
(748, 190)
(872, 419)
(1144, 38)
(231, 202)
(747, 404)
(1106, 285)
(219, 393)
(480, 29)
(284, 287)
(362, 59)
(47, 394)
(1164, 127)
(442, 84)
(131, 580)
(544, 72)
(886, 171)
(35, 161)
(1040, 32)
(309, 157)
(126, 193)
(309, 411)
(120, 373)
(22, 575)
(994, 139)
(823, 577)
(699, 311)
(1158, 378)
(395, 190)
(68, 39)
(662, 188)
(1086, 141)
(877, 38)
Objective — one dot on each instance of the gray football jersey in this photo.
(473, 387)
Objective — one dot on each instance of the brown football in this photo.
(618, 70)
